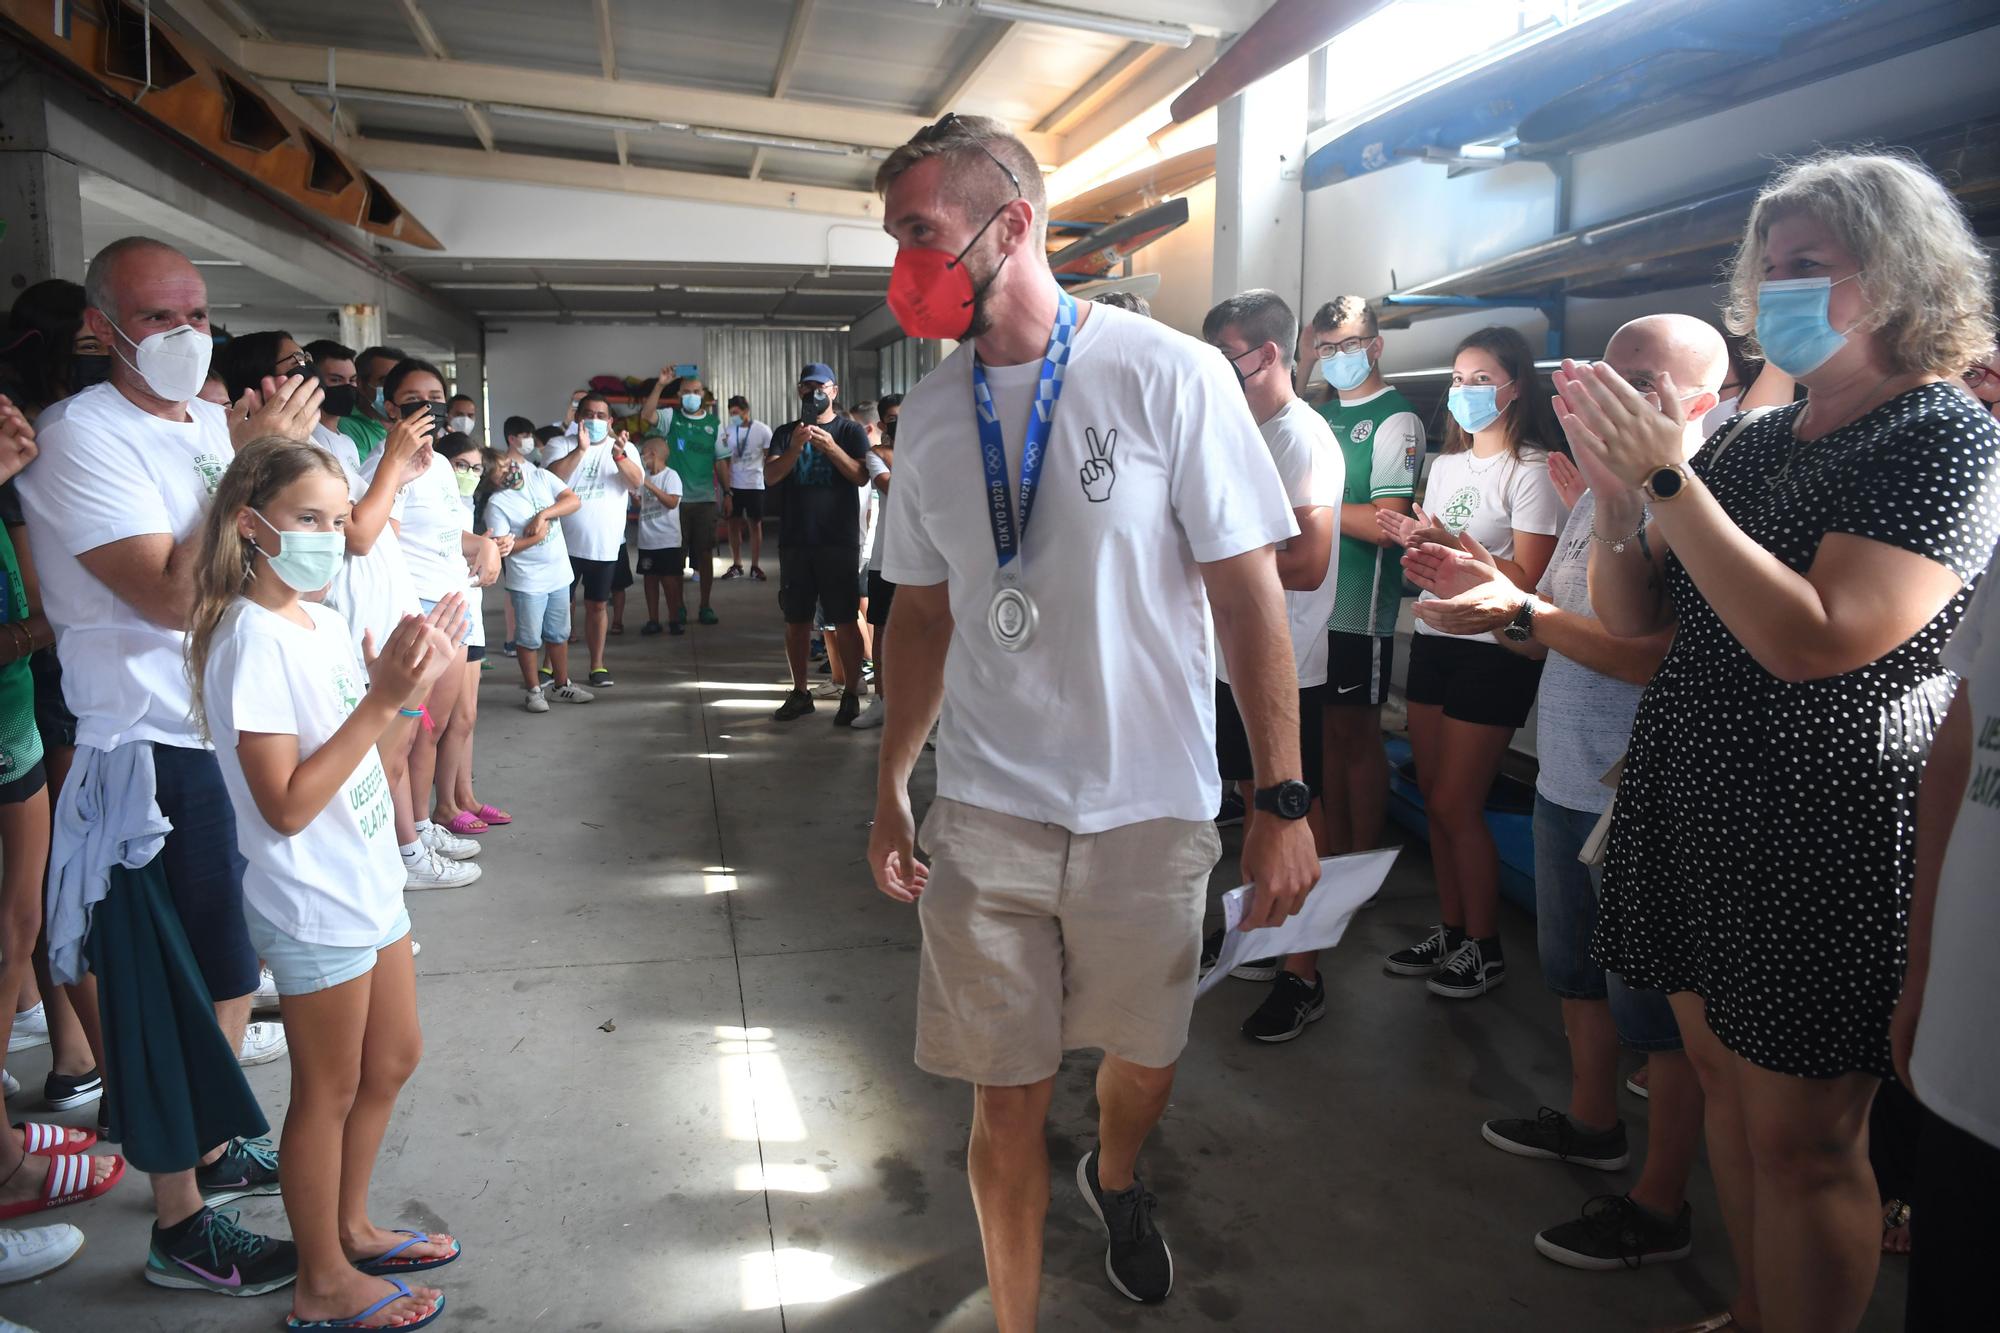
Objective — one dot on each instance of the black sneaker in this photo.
(1255, 969)
(797, 704)
(1616, 1233)
(600, 679)
(676, 629)
(1231, 812)
(212, 1253)
(1136, 1259)
(547, 674)
(1554, 1136)
(63, 1092)
(651, 627)
(850, 708)
(1422, 960)
(246, 1167)
(1291, 1004)
(1476, 968)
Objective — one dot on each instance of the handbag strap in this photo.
(1742, 424)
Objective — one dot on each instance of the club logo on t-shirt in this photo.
(211, 469)
(1363, 429)
(344, 686)
(1457, 513)
(1100, 472)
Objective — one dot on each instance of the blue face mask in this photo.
(1346, 371)
(1792, 324)
(379, 400)
(691, 404)
(1474, 406)
(595, 431)
(306, 561)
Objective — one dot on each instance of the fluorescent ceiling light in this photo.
(217, 263)
(487, 286)
(382, 96)
(586, 118)
(601, 287)
(736, 291)
(219, 305)
(1159, 34)
(773, 141)
(637, 316)
(517, 314)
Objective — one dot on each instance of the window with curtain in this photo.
(763, 365)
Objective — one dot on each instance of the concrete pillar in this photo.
(41, 201)
(1259, 205)
(361, 326)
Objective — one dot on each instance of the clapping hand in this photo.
(417, 653)
(1570, 484)
(503, 544)
(1471, 595)
(1414, 528)
(17, 439)
(1618, 436)
(289, 408)
(408, 446)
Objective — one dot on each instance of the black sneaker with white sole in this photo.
(1477, 967)
(1615, 1233)
(1424, 958)
(246, 1167)
(1554, 1136)
(66, 1092)
(1136, 1259)
(210, 1252)
(1254, 969)
(1291, 1004)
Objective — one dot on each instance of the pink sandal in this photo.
(466, 824)
(492, 816)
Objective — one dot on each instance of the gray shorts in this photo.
(1038, 940)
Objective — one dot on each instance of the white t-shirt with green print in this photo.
(1492, 498)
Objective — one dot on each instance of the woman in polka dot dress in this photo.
(1760, 862)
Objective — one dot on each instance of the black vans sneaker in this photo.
(1424, 959)
(66, 1092)
(209, 1252)
(246, 1167)
(1616, 1233)
(1291, 1004)
(1253, 969)
(1554, 1136)
(1136, 1260)
(796, 705)
(1474, 969)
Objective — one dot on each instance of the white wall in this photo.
(1185, 261)
(532, 368)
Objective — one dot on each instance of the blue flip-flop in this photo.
(385, 1263)
(356, 1321)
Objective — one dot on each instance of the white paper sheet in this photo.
(1345, 883)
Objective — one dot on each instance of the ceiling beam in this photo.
(380, 155)
(795, 40)
(482, 128)
(757, 164)
(976, 63)
(1155, 81)
(1117, 71)
(607, 51)
(283, 63)
(421, 28)
(624, 146)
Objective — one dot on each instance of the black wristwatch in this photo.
(1522, 627)
(1665, 483)
(1287, 800)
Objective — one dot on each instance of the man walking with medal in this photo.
(1074, 485)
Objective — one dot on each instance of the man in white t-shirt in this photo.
(1072, 838)
(748, 441)
(1256, 333)
(114, 504)
(603, 473)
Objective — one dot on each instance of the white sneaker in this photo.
(874, 715)
(431, 871)
(31, 1028)
(535, 702)
(8, 1082)
(448, 844)
(26, 1255)
(569, 692)
(828, 689)
(262, 1043)
(266, 994)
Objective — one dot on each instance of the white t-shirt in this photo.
(1492, 498)
(434, 520)
(543, 567)
(1314, 471)
(597, 529)
(748, 447)
(1108, 717)
(108, 471)
(872, 461)
(1952, 1064)
(339, 881)
(659, 526)
(372, 592)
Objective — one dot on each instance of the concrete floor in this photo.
(668, 1082)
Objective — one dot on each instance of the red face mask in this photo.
(931, 292)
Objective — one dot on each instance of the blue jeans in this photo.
(540, 617)
(1565, 918)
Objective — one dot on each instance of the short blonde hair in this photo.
(1927, 277)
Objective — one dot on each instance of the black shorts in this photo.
(475, 652)
(204, 869)
(881, 595)
(823, 575)
(595, 576)
(1358, 668)
(52, 716)
(667, 561)
(16, 790)
(1472, 680)
(1232, 742)
(621, 570)
(746, 504)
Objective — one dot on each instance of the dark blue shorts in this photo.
(204, 869)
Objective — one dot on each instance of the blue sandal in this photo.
(357, 1321)
(386, 1262)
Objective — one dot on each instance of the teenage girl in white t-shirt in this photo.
(1467, 696)
(296, 724)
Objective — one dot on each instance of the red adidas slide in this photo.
(69, 1182)
(54, 1140)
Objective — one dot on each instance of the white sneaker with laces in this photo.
(431, 871)
(448, 844)
(266, 994)
(536, 701)
(570, 692)
(874, 715)
(262, 1043)
(26, 1255)
(31, 1028)
(9, 1082)
(828, 689)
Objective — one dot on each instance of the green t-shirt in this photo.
(20, 741)
(691, 445)
(366, 432)
(1382, 439)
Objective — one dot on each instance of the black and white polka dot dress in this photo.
(1764, 843)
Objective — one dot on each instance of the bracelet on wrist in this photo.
(409, 712)
(1618, 544)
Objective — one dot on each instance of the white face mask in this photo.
(174, 363)
(463, 425)
(1714, 418)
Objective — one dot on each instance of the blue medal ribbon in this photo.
(1008, 533)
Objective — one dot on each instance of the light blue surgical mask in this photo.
(1346, 371)
(691, 404)
(380, 399)
(595, 431)
(1474, 406)
(1792, 324)
(306, 561)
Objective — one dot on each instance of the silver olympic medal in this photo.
(1011, 618)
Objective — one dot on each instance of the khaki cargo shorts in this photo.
(1038, 940)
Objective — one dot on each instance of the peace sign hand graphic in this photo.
(1100, 472)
